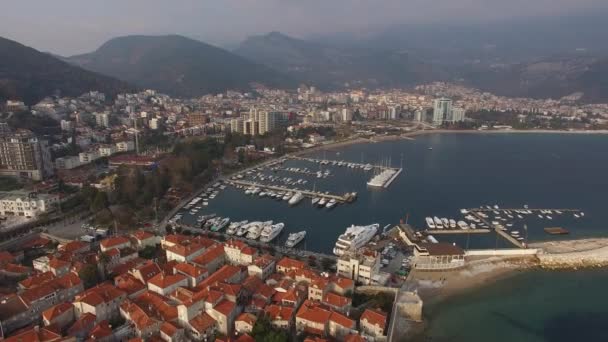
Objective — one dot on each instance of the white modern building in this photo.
(20, 203)
(442, 110)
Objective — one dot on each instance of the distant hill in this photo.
(552, 77)
(177, 65)
(30, 75)
(330, 67)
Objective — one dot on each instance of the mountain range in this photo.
(30, 75)
(332, 67)
(184, 67)
(177, 66)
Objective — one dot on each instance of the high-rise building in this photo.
(23, 155)
(237, 126)
(347, 115)
(102, 119)
(267, 121)
(418, 115)
(442, 110)
(458, 114)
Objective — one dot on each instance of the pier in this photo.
(344, 163)
(307, 193)
(457, 231)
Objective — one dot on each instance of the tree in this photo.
(327, 264)
(89, 275)
(100, 201)
(264, 332)
(149, 252)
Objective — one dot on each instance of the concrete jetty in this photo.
(307, 193)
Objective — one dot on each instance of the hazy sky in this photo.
(74, 26)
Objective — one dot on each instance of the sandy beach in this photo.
(437, 286)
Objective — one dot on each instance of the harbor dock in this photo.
(457, 231)
(307, 193)
(342, 162)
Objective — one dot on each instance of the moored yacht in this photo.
(295, 238)
(354, 238)
(430, 223)
(271, 232)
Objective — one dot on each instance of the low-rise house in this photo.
(169, 332)
(239, 253)
(59, 267)
(103, 301)
(312, 318)
(185, 251)
(202, 327)
(339, 326)
(211, 259)
(337, 303)
(224, 313)
(117, 242)
(75, 247)
(143, 239)
(281, 317)
(373, 323)
(60, 315)
(193, 273)
(165, 284)
(244, 323)
(262, 267)
(146, 271)
(287, 264)
(102, 332)
(144, 324)
(360, 266)
(129, 284)
(36, 333)
(83, 325)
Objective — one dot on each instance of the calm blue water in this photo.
(536, 306)
(461, 171)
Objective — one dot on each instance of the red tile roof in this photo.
(225, 307)
(114, 241)
(147, 271)
(354, 338)
(202, 322)
(290, 264)
(190, 270)
(6, 257)
(374, 317)
(74, 246)
(248, 318)
(169, 329)
(83, 324)
(312, 312)
(157, 305)
(56, 263)
(56, 311)
(102, 293)
(129, 284)
(163, 280)
(245, 338)
(35, 334)
(278, 312)
(224, 273)
(137, 316)
(335, 300)
(142, 235)
(342, 320)
(211, 254)
(101, 330)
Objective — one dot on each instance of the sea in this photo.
(443, 173)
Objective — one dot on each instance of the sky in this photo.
(68, 27)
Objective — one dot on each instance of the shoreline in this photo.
(413, 134)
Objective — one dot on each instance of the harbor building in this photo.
(442, 109)
(438, 256)
(23, 155)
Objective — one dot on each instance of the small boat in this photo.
(438, 222)
(576, 216)
(315, 200)
(462, 225)
(540, 216)
(322, 202)
(452, 223)
(332, 203)
(549, 217)
(464, 211)
(430, 223)
(582, 213)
